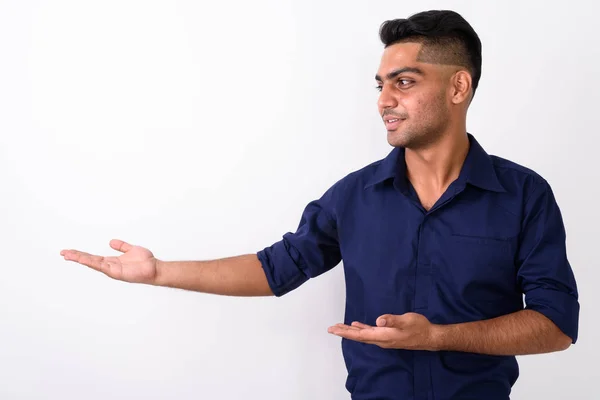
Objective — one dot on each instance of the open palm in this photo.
(136, 264)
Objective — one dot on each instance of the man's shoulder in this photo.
(359, 177)
(513, 170)
(519, 180)
(348, 188)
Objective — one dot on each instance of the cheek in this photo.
(426, 106)
(414, 106)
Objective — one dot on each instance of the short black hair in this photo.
(446, 36)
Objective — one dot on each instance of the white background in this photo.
(201, 130)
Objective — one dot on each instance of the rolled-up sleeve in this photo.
(544, 272)
(312, 250)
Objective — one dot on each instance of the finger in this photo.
(360, 325)
(343, 326)
(120, 245)
(89, 260)
(371, 336)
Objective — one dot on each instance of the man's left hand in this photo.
(409, 331)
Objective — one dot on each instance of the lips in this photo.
(392, 123)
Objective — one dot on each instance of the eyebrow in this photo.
(397, 72)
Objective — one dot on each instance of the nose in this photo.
(386, 99)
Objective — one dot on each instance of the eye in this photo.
(401, 83)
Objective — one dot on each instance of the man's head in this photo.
(428, 75)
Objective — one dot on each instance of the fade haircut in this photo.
(446, 38)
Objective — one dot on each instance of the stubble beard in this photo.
(422, 131)
(416, 137)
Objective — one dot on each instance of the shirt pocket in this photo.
(482, 245)
(481, 268)
(482, 253)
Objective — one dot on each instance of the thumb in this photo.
(389, 321)
(120, 245)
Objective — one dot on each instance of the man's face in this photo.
(414, 100)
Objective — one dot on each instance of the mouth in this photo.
(393, 123)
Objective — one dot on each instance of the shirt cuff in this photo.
(281, 265)
(561, 308)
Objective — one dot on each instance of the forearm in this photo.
(233, 276)
(519, 333)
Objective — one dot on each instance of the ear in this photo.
(461, 87)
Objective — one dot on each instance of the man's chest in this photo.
(464, 251)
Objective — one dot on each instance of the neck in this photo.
(438, 165)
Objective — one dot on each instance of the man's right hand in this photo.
(136, 265)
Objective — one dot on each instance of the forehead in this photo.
(408, 51)
(400, 55)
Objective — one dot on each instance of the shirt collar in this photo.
(478, 169)
(387, 167)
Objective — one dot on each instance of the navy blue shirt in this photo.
(493, 241)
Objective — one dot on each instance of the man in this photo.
(440, 241)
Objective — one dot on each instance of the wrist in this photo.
(438, 337)
(159, 277)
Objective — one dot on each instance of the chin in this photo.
(398, 139)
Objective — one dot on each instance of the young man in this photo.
(440, 241)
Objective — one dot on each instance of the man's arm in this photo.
(544, 275)
(519, 333)
(278, 269)
(233, 276)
